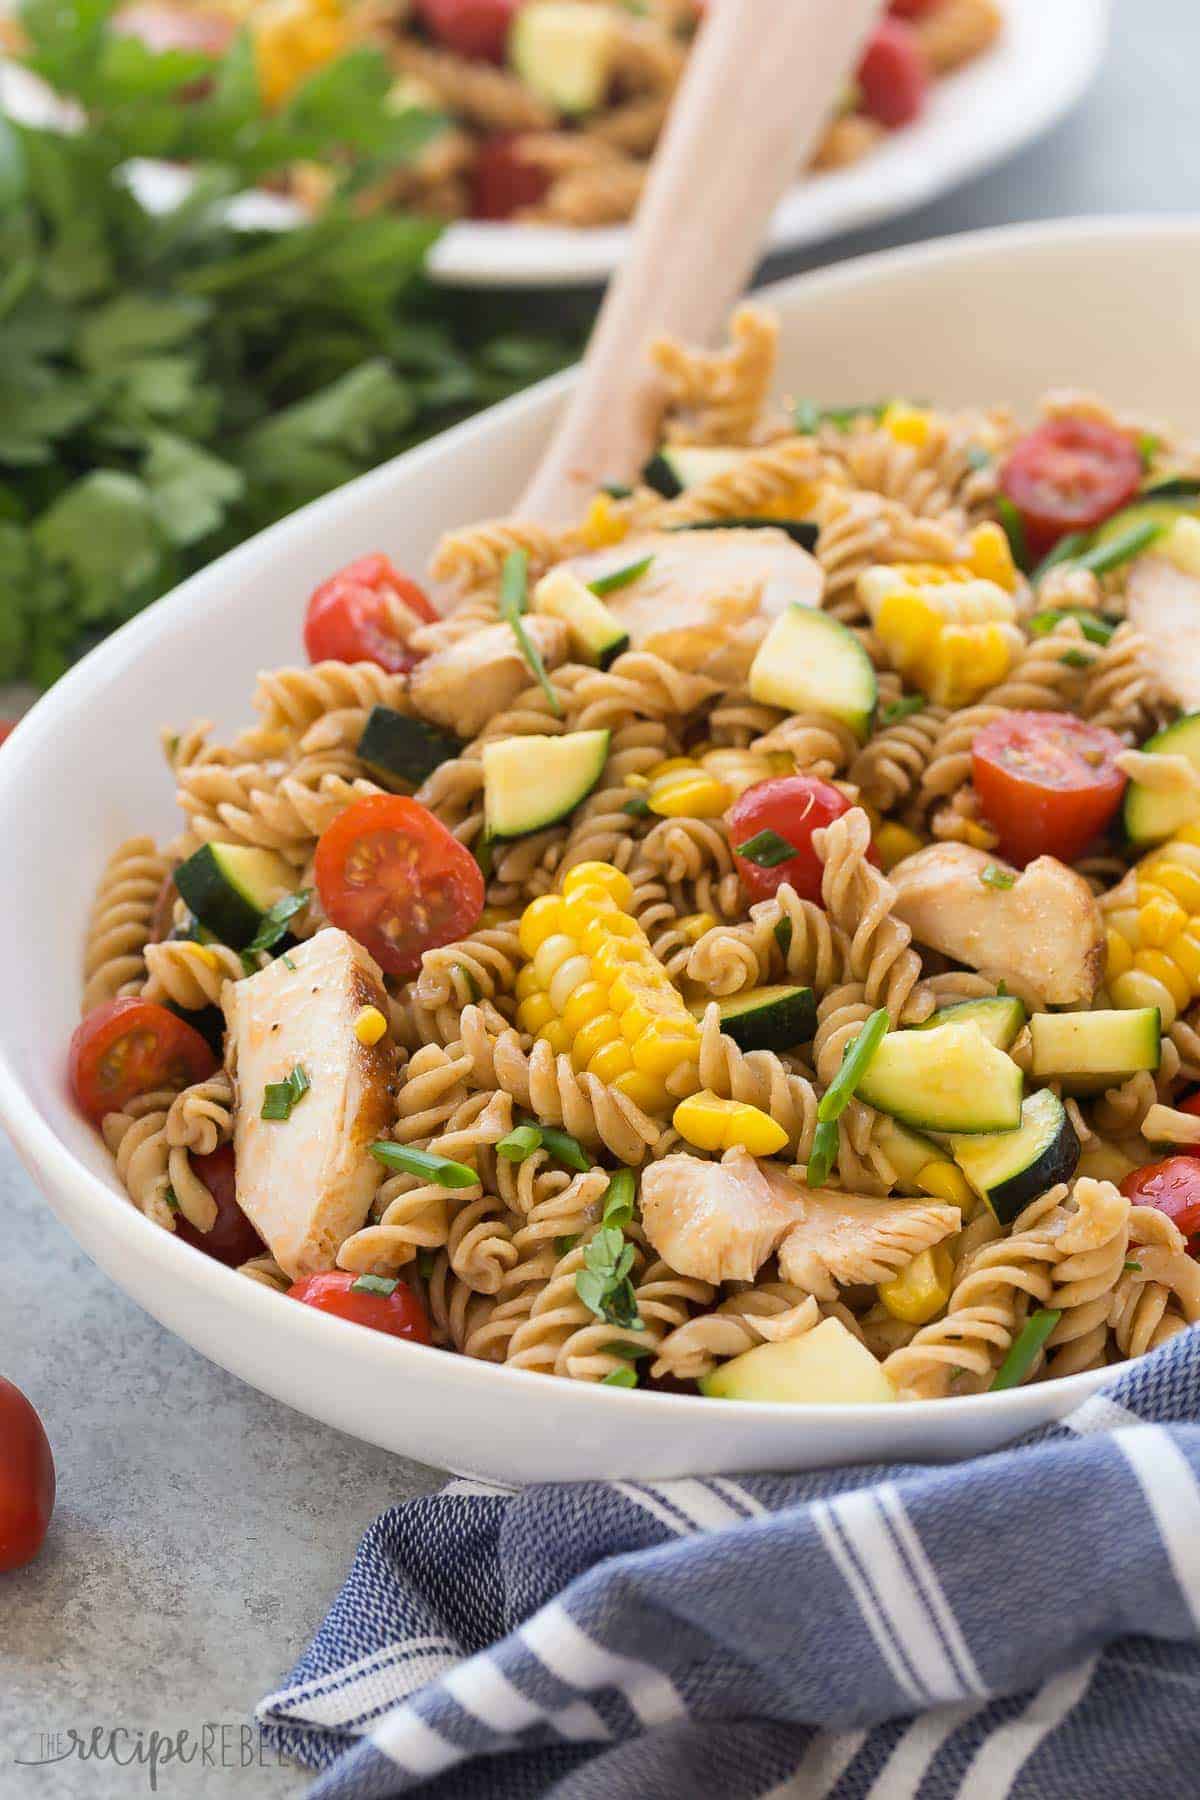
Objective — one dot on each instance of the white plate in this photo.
(1035, 73)
(994, 316)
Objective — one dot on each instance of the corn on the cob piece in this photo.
(922, 1289)
(711, 1123)
(594, 989)
(1153, 922)
(950, 630)
(294, 38)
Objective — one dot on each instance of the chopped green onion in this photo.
(279, 1097)
(617, 1206)
(631, 1352)
(485, 855)
(468, 980)
(638, 807)
(823, 1154)
(410, 1161)
(783, 936)
(995, 877)
(855, 1062)
(273, 925)
(1135, 1266)
(287, 962)
(767, 849)
(902, 709)
(514, 597)
(623, 1378)
(608, 584)
(1014, 531)
(172, 1200)
(519, 1144)
(564, 1245)
(1121, 548)
(1066, 549)
(1094, 628)
(978, 457)
(616, 490)
(374, 1284)
(806, 418)
(1148, 448)
(1075, 659)
(1025, 1348)
(565, 1149)
(426, 1264)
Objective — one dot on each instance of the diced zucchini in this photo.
(230, 886)
(801, 531)
(947, 1079)
(1154, 509)
(402, 751)
(565, 52)
(532, 782)
(671, 470)
(1153, 814)
(1010, 1168)
(1093, 1050)
(810, 662)
(768, 1018)
(597, 635)
(1000, 1019)
(907, 1151)
(828, 1366)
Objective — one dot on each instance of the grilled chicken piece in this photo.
(709, 597)
(715, 1221)
(306, 1182)
(1164, 604)
(469, 682)
(1044, 934)
(843, 1240)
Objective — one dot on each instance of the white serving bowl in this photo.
(995, 316)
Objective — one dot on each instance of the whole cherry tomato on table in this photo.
(1069, 475)
(232, 1239)
(129, 1047)
(352, 617)
(26, 1479)
(391, 875)
(366, 1300)
(1172, 1187)
(775, 816)
(1048, 782)
(893, 76)
(503, 182)
(476, 28)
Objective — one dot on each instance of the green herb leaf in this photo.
(767, 849)
(410, 1161)
(603, 1283)
(622, 1378)
(281, 1097)
(519, 1144)
(1075, 659)
(994, 876)
(904, 708)
(564, 1245)
(273, 926)
(1095, 629)
(514, 587)
(823, 1154)
(619, 578)
(1136, 1267)
(1014, 531)
(1120, 549)
(374, 1284)
(638, 807)
(631, 1352)
(855, 1063)
(1025, 1348)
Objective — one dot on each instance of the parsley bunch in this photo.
(169, 383)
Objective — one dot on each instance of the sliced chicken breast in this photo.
(715, 1221)
(1164, 604)
(306, 1182)
(469, 682)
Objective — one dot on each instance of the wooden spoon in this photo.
(759, 87)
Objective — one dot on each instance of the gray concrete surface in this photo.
(202, 1529)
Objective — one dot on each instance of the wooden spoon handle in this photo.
(759, 86)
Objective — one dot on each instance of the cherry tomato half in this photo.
(791, 807)
(1048, 782)
(7, 727)
(233, 1239)
(1069, 475)
(893, 76)
(477, 28)
(1190, 1105)
(503, 182)
(391, 875)
(1172, 1187)
(129, 1047)
(400, 1313)
(912, 9)
(352, 617)
(26, 1479)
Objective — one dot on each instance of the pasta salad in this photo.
(751, 944)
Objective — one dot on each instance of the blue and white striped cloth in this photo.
(1025, 1624)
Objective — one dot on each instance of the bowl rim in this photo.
(53, 1164)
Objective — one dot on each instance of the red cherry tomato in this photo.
(1191, 1104)
(913, 9)
(477, 28)
(128, 1047)
(1048, 782)
(7, 727)
(350, 617)
(893, 76)
(1173, 1187)
(400, 1313)
(233, 1239)
(1069, 475)
(26, 1479)
(793, 807)
(503, 181)
(391, 875)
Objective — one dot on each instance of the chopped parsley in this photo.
(563, 1246)
(1135, 1266)
(603, 1284)
(902, 709)
(995, 877)
(281, 1097)
(273, 925)
(767, 849)
(1075, 659)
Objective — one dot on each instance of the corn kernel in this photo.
(672, 766)
(644, 1011)
(604, 1029)
(643, 1090)
(599, 874)
(894, 842)
(701, 1120)
(534, 1014)
(567, 977)
(946, 1181)
(527, 982)
(991, 556)
(202, 954)
(611, 958)
(557, 1036)
(1120, 955)
(1160, 968)
(551, 953)
(608, 929)
(602, 524)
(664, 1048)
(796, 502)
(541, 919)
(907, 424)
(611, 1060)
(1180, 879)
(1139, 988)
(694, 926)
(711, 1123)
(1184, 950)
(921, 1290)
(634, 980)
(587, 906)
(688, 794)
(370, 1025)
(755, 1131)
(1159, 917)
(586, 1002)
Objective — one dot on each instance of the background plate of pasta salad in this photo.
(552, 109)
(724, 997)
